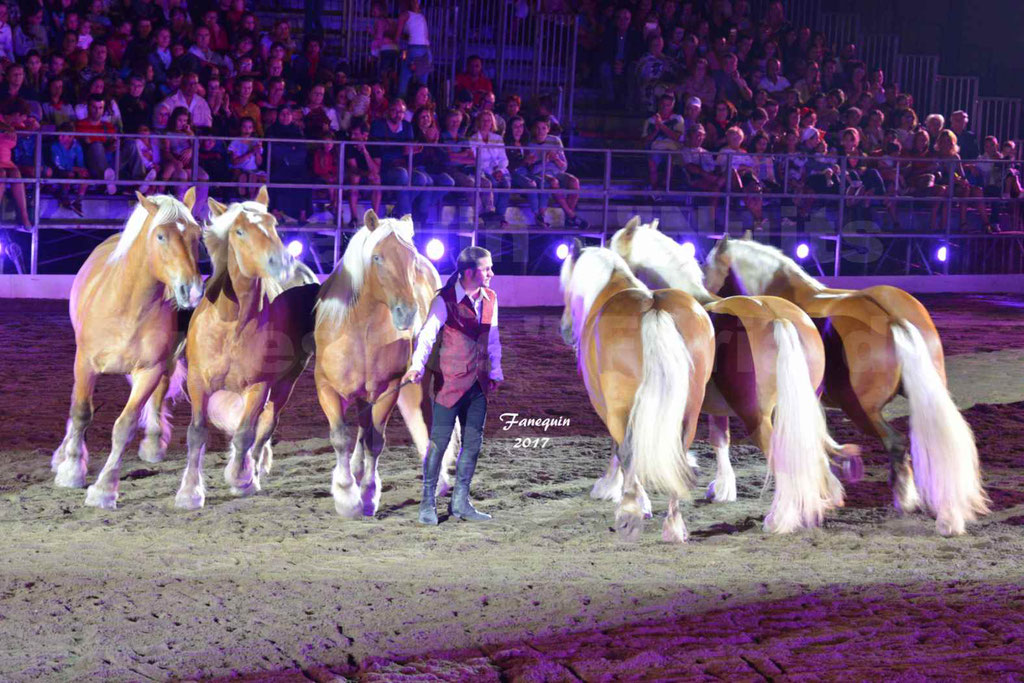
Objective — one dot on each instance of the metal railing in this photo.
(841, 209)
(954, 93)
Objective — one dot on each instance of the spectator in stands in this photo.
(934, 123)
(421, 99)
(622, 46)
(290, 163)
(734, 160)
(218, 35)
(203, 50)
(99, 146)
(56, 110)
(487, 104)
(8, 168)
(111, 112)
(430, 161)
(418, 61)
(136, 109)
(393, 159)
(773, 80)
(755, 125)
(188, 96)
(920, 171)
(96, 68)
(907, 126)
(147, 151)
(492, 163)
(6, 35)
(967, 140)
(730, 84)
(520, 161)
(315, 105)
(246, 157)
(873, 136)
(464, 103)
(325, 169)
(244, 107)
(552, 167)
(474, 80)
(14, 80)
(224, 121)
(724, 119)
(809, 86)
(701, 171)
(384, 46)
(160, 56)
(461, 158)
(863, 177)
(654, 74)
(951, 170)
(663, 132)
(361, 169)
(31, 33)
(117, 43)
(279, 34)
(34, 86)
(68, 162)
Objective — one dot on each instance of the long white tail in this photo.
(175, 389)
(656, 453)
(805, 487)
(942, 447)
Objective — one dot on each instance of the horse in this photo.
(123, 310)
(368, 314)
(879, 341)
(248, 342)
(768, 358)
(645, 358)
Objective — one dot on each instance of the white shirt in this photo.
(198, 108)
(437, 318)
(6, 42)
(490, 153)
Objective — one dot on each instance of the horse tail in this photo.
(805, 487)
(942, 448)
(653, 435)
(175, 390)
(225, 410)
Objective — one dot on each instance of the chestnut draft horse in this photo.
(248, 342)
(122, 307)
(368, 314)
(645, 358)
(768, 358)
(878, 341)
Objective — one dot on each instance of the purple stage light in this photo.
(435, 249)
(802, 251)
(295, 248)
(942, 254)
(562, 251)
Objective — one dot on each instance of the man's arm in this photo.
(426, 339)
(494, 348)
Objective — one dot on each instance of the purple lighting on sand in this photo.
(562, 251)
(942, 254)
(435, 249)
(295, 248)
(802, 251)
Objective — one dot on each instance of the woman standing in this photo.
(418, 60)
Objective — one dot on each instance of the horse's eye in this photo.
(239, 232)
(378, 259)
(160, 237)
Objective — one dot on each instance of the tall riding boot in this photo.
(460, 506)
(431, 471)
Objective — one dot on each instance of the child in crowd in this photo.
(246, 157)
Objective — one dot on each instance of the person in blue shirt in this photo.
(68, 162)
(393, 160)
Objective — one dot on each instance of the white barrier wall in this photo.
(542, 290)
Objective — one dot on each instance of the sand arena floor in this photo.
(277, 587)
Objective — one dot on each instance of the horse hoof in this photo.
(190, 500)
(250, 488)
(723, 494)
(629, 527)
(674, 531)
(853, 470)
(151, 454)
(101, 498)
(70, 474)
(947, 526)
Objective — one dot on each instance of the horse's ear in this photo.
(654, 224)
(407, 218)
(216, 208)
(146, 203)
(189, 200)
(723, 243)
(748, 235)
(370, 220)
(633, 223)
(263, 197)
(577, 247)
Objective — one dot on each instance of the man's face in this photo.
(540, 131)
(99, 54)
(191, 85)
(96, 110)
(247, 128)
(665, 107)
(277, 90)
(481, 275)
(622, 19)
(395, 112)
(475, 67)
(136, 87)
(203, 38)
(959, 122)
(316, 96)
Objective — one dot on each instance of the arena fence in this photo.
(845, 228)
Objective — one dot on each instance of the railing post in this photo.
(949, 213)
(604, 189)
(572, 70)
(37, 209)
(728, 192)
(195, 169)
(843, 166)
(341, 205)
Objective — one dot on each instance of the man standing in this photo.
(465, 314)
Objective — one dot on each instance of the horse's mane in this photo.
(764, 261)
(652, 250)
(341, 290)
(216, 240)
(169, 210)
(588, 276)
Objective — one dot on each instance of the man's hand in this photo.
(492, 385)
(412, 377)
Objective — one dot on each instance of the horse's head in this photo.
(172, 245)
(565, 280)
(390, 262)
(249, 231)
(718, 265)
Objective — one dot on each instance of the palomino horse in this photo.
(768, 357)
(878, 341)
(645, 358)
(368, 314)
(122, 307)
(248, 342)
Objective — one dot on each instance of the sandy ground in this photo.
(276, 587)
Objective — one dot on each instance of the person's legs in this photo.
(423, 200)
(396, 175)
(501, 198)
(472, 409)
(18, 190)
(353, 196)
(441, 427)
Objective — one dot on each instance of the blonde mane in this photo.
(341, 290)
(169, 210)
(759, 263)
(659, 260)
(584, 279)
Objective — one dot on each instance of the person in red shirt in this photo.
(474, 80)
(99, 148)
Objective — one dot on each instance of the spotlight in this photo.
(562, 251)
(690, 249)
(295, 248)
(802, 251)
(942, 254)
(435, 249)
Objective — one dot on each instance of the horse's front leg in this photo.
(192, 492)
(723, 488)
(344, 487)
(372, 423)
(153, 447)
(103, 493)
(267, 424)
(71, 459)
(240, 472)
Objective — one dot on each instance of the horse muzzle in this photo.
(281, 266)
(403, 316)
(188, 294)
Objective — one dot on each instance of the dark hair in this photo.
(66, 127)
(467, 260)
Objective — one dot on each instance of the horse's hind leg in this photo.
(71, 458)
(267, 424)
(673, 530)
(240, 472)
(153, 447)
(723, 488)
(901, 472)
(103, 493)
(609, 486)
(192, 492)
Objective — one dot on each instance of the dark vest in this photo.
(463, 357)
